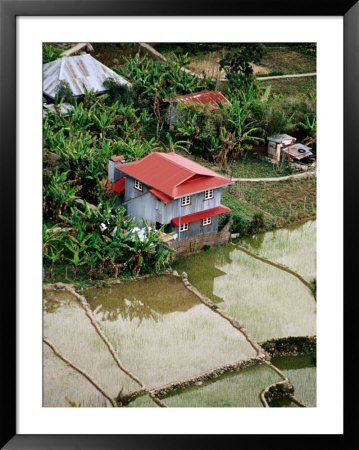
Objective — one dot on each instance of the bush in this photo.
(117, 91)
(239, 224)
(63, 93)
(50, 53)
(257, 223)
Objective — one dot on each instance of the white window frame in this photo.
(138, 185)
(183, 227)
(186, 200)
(206, 221)
(208, 194)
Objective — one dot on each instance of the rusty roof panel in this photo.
(211, 98)
(78, 71)
(298, 151)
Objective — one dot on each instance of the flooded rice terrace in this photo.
(163, 334)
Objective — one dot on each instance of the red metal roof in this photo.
(173, 175)
(211, 98)
(119, 186)
(160, 196)
(117, 158)
(200, 215)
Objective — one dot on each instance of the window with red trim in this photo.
(184, 227)
(186, 200)
(208, 194)
(138, 185)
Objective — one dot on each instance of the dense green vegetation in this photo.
(133, 122)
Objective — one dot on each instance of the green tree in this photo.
(237, 62)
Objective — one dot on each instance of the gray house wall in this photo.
(131, 192)
(174, 209)
(142, 204)
(195, 228)
(143, 207)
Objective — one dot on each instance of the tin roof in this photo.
(172, 174)
(117, 158)
(119, 186)
(211, 98)
(63, 108)
(78, 71)
(160, 196)
(200, 215)
(280, 137)
(298, 151)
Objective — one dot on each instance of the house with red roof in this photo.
(171, 190)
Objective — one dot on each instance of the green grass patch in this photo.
(288, 61)
(287, 202)
(250, 166)
(292, 87)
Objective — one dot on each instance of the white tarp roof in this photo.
(78, 71)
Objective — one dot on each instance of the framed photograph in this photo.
(323, 107)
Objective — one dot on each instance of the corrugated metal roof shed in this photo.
(211, 98)
(78, 71)
(172, 174)
(279, 138)
(298, 151)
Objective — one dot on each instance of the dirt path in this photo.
(296, 176)
(294, 75)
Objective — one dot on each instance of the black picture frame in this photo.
(9, 10)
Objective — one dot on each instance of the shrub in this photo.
(50, 53)
(63, 93)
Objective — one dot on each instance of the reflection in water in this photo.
(52, 300)
(147, 299)
(202, 268)
(128, 309)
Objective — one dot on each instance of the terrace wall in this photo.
(196, 243)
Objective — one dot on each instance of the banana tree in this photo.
(52, 239)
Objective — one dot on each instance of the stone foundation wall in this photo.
(196, 243)
(291, 346)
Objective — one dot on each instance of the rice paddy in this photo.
(302, 373)
(271, 303)
(161, 331)
(239, 389)
(293, 246)
(164, 334)
(69, 329)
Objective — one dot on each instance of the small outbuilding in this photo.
(79, 72)
(297, 152)
(277, 144)
(209, 98)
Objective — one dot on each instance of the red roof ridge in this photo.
(183, 166)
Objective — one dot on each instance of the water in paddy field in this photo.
(294, 247)
(66, 325)
(270, 302)
(301, 371)
(162, 332)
